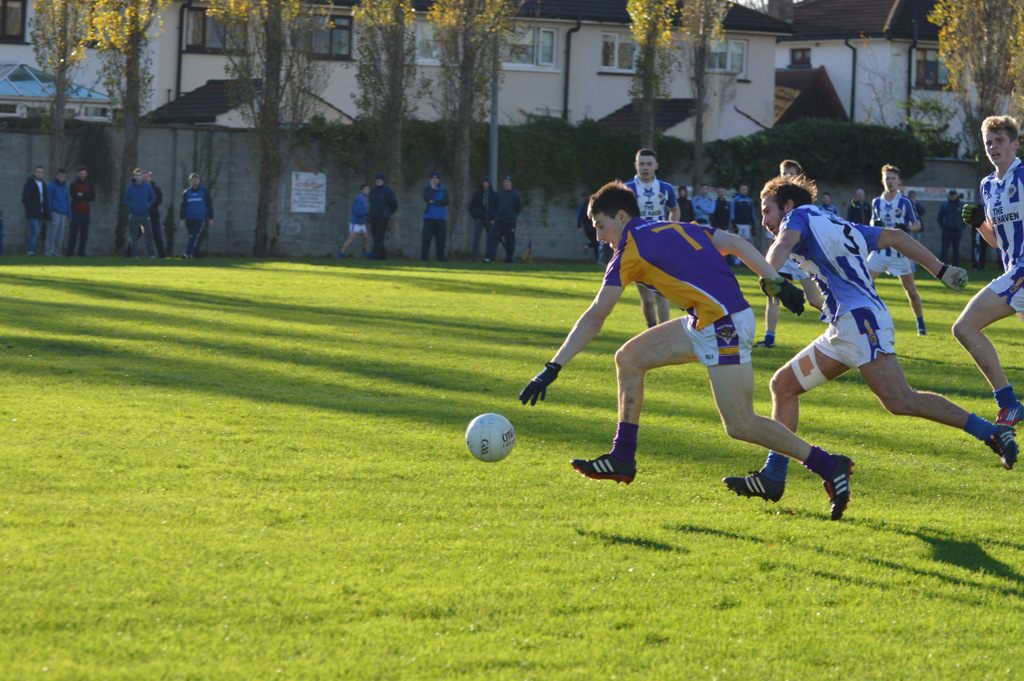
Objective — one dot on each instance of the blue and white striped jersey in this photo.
(898, 213)
(839, 251)
(654, 199)
(1004, 208)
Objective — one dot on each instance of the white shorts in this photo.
(792, 271)
(856, 338)
(743, 231)
(888, 260)
(726, 341)
(353, 228)
(1011, 287)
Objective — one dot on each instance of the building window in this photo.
(530, 47)
(8, 109)
(334, 40)
(426, 50)
(800, 58)
(729, 56)
(12, 20)
(617, 51)
(931, 72)
(202, 33)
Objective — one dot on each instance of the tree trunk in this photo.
(131, 123)
(57, 134)
(458, 218)
(700, 79)
(268, 128)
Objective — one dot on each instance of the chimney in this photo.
(781, 9)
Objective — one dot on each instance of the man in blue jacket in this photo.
(139, 197)
(510, 205)
(357, 221)
(435, 219)
(60, 213)
(195, 214)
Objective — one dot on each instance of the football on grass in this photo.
(490, 437)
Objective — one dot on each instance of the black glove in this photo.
(792, 298)
(538, 386)
(771, 286)
(973, 215)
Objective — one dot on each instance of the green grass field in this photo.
(256, 470)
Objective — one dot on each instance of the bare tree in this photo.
(386, 74)
(270, 52)
(702, 28)
(982, 45)
(60, 31)
(468, 36)
(656, 58)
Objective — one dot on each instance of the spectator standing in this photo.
(83, 193)
(195, 214)
(37, 206)
(704, 206)
(60, 213)
(383, 205)
(826, 204)
(357, 221)
(741, 213)
(919, 209)
(139, 197)
(482, 208)
(979, 254)
(510, 205)
(859, 210)
(585, 226)
(435, 219)
(686, 213)
(720, 214)
(952, 225)
(154, 214)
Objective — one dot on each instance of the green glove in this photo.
(772, 286)
(973, 215)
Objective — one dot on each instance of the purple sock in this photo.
(624, 444)
(821, 462)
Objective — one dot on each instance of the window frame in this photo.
(18, 37)
(921, 81)
(532, 37)
(192, 14)
(620, 39)
(726, 46)
(329, 29)
(804, 62)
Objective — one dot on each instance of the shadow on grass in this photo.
(638, 542)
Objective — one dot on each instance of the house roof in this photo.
(737, 18)
(840, 19)
(806, 93)
(668, 113)
(22, 80)
(202, 105)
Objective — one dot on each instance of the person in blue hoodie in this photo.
(60, 213)
(435, 218)
(139, 197)
(195, 213)
(357, 221)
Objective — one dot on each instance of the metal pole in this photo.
(494, 124)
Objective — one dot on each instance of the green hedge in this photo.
(829, 151)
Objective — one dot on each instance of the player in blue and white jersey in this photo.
(1002, 225)
(860, 332)
(894, 210)
(686, 263)
(657, 201)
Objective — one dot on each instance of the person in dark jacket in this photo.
(83, 193)
(154, 214)
(585, 226)
(383, 205)
(952, 225)
(686, 213)
(510, 205)
(35, 199)
(979, 254)
(139, 197)
(859, 210)
(195, 213)
(482, 208)
(435, 219)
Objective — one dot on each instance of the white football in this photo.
(490, 437)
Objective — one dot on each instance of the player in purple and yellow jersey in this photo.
(657, 201)
(1002, 225)
(860, 331)
(686, 263)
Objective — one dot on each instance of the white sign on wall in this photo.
(309, 193)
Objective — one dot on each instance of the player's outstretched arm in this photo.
(953, 277)
(732, 244)
(587, 327)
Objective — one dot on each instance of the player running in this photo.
(1002, 225)
(893, 209)
(657, 201)
(686, 263)
(860, 333)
